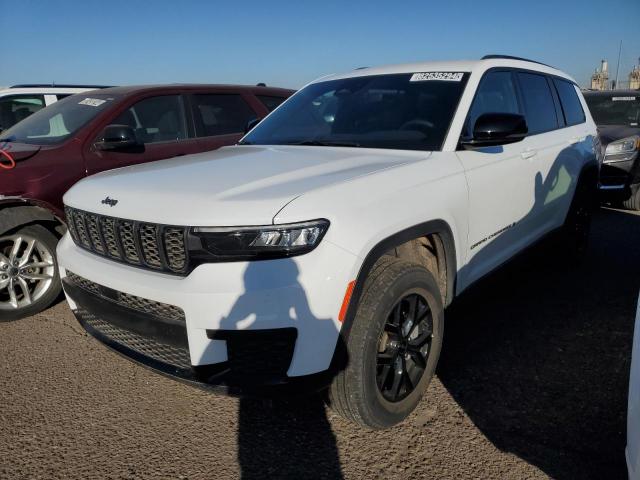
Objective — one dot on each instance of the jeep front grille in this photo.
(146, 245)
(144, 305)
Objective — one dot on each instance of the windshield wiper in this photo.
(8, 139)
(323, 143)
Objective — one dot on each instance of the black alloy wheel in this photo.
(404, 347)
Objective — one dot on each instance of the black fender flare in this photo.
(588, 179)
(17, 212)
(439, 227)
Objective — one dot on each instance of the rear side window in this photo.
(220, 114)
(540, 111)
(16, 108)
(571, 107)
(156, 119)
(270, 102)
(496, 94)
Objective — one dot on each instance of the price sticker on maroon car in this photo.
(93, 102)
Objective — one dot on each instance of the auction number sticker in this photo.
(623, 99)
(93, 102)
(440, 76)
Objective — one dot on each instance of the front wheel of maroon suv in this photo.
(393, 346)
(29, 280)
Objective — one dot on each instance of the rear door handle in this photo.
(528, 153)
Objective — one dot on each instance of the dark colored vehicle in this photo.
(46, 153)
(617, 114)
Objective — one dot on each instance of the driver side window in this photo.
(156, 119)
(496, 94)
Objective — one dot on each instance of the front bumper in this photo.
(239, 326)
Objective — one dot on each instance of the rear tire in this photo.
(27, 261)
(575, 232)
(393, 346)
(633, 202)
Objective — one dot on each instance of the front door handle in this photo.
(528, 153)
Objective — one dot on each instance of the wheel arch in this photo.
(432, 227)
(589, 174)
(18, 212)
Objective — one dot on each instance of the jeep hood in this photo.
(239, 185)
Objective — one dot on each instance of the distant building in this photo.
(600, 79)
(634, 77)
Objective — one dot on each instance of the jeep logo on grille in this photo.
(109, 201)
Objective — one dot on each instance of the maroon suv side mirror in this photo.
(117, 137)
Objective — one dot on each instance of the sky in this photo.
(286, 43)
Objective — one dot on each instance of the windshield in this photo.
(56, 123)
(400, 111)
(615, 109)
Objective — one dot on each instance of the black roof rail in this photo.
(55, 85)
(261, 84)
(510, 57)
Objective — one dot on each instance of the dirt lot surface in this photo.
(532, 383)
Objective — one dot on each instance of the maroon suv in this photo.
(42, 156)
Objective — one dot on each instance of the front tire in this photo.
(29, 280)
(393, 346)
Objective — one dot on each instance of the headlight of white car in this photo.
(622, 150)
(260, 242)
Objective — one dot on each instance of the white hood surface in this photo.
(240, 185)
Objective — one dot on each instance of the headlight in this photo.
(622, 150)
(260, 242)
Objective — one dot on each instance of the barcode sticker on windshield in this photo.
(623, 99)
(94, 102)
(441, 76)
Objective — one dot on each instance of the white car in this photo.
(322, 249)
(633, 418)
(20, 101)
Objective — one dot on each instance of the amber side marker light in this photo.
(345, 302)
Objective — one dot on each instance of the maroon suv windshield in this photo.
(56, 123)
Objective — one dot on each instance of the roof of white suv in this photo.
(451, 66)
(45, 89)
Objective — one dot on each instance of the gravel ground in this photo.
(532, 383)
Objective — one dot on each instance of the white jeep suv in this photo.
(322, 249)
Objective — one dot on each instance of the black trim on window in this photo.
(188, 115)
(562, 120)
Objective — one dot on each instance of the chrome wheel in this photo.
(27, 271)
(404, 347)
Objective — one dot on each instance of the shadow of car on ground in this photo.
(538, 354)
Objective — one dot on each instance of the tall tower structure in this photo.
(600, 79)
(634, 77)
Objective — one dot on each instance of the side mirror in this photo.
(250, 124)
(117, 137)
(497, 129)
